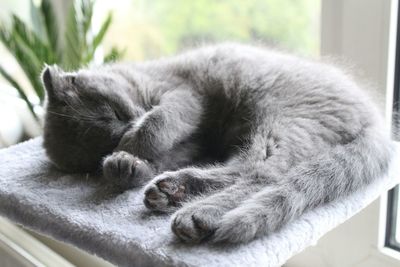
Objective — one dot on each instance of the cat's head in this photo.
(87, 112)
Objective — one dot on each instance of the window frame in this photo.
(393, 195)
(391, 219)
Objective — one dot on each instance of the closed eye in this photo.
(117, 112)
(119, 115)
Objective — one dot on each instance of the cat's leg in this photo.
(330, 175)
(263, 212)
(199, 219)
(167, 191)
(173, 120)
(152, 135)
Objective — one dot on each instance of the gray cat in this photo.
(239, 140)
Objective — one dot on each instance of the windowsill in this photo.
(26, 249)
(388, 254)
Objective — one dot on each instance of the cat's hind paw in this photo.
(194, 224)
(125, 170)
(235, 228)
(164, 193)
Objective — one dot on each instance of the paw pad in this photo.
(164, 194)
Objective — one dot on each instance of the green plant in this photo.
(43, 43)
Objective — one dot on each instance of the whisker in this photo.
(86, 132)
(79, 112)
(70, 117)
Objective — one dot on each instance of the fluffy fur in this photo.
(239, 140)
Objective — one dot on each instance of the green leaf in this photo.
(37, 20)
(21, 92)
(98, 38)
(27, 60)
(87, 14)
(30, 65)
(73, 50)
(32, 41)
(51, 26)
(114, 55)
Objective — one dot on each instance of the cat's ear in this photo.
(57, 83)
(50, 76)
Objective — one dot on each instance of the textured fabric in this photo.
(115, 225)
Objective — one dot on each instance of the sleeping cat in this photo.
(237, 140)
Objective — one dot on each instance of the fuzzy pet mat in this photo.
(114, 225)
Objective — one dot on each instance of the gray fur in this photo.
(245, 138)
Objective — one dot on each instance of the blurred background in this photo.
(149, 29)
(133, 30)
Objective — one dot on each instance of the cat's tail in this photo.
(326, 177)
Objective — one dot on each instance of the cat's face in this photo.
(87, 113)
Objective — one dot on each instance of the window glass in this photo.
(149, 29)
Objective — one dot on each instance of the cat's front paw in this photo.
(196, 223)
(164, 193)
(124, 169)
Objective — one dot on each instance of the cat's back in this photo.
(257, 77)
(237, 69)
(247, 67)
(290, 88)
